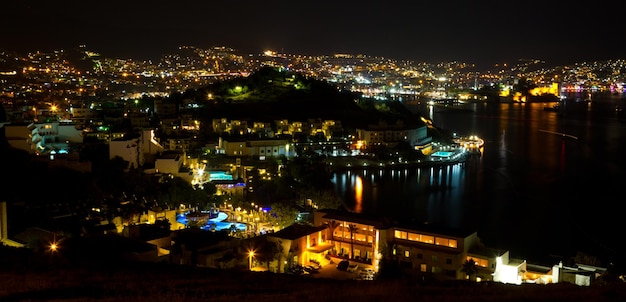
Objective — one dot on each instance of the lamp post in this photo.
(250, 255)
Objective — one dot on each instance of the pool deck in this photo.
(220, 222)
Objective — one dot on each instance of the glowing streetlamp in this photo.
(53, 245)
(250, 255)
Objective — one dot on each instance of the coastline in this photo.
(360, 163)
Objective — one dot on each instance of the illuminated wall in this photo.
(553, 89)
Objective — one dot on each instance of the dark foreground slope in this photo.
(44, 280)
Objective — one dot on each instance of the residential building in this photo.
(515, 271)
(579, 274)
(136, 150)
(421, 250)
(169, 163)
(139, 120)
(80, 115)
(203, 248)
(385, 134)
(353, 236)
(43, 138)
(439, 252)
(300, 243)
(165, 108)
(151, 234)
(257, 148)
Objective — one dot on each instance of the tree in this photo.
(283, 215)
(278, 253)
(332, 225)
(321, 199)
(265, 251)
(163, 224)
(353, 230)
(524, 86)
(389, 267)
(469, 268)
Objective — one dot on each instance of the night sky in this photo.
(480, 32)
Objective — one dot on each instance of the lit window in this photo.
(406, 254)
(479, 261)
(400, 234)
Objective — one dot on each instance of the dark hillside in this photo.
(271, 94)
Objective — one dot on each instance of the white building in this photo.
(260, 148)
(382, 134)
(43, 138)
(137, 150)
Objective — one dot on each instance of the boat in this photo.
(553, 108)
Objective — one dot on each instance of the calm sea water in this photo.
(545, 184)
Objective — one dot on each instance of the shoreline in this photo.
(356, 163)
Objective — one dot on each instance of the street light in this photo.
(53, 245)
(250, 255)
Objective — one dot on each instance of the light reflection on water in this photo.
(423, 194)
(530, 186)
(358, 194)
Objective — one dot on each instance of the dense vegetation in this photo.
(272, 94)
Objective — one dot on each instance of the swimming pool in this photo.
(442, 154)
(216, 223)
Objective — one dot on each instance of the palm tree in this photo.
(332, 225)
(278, 253)
(469, 268)
(353, 229)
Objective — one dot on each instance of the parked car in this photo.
(365, 274)
(314, 265)
(310, 269)
(297, 270)
(343, 265)
(353, 268)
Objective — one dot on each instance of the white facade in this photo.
(169, 164)
(417, 137)
(508, 271)
(42, 138)
(261, 148)
(136, 149)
